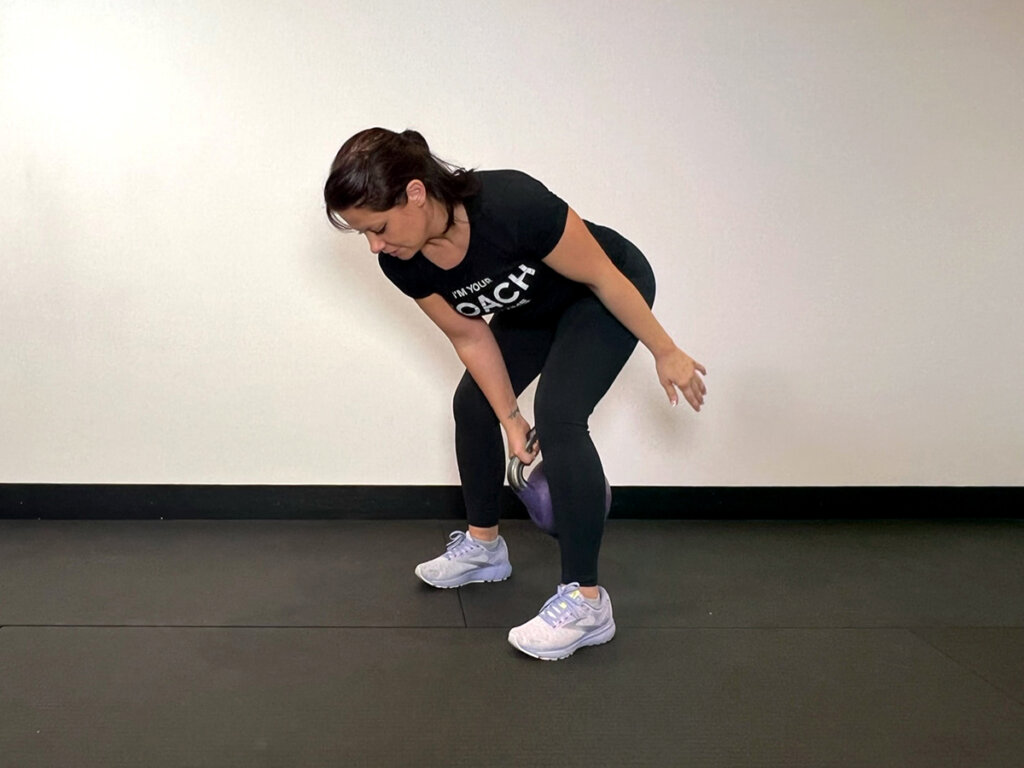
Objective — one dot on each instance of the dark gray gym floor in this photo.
(276, 643)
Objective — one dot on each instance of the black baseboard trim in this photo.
(403, 502)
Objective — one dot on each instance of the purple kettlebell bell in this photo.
(535, 493)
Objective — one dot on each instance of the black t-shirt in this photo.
(514, 222)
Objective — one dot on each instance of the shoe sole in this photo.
(598, 638)
(481, 576)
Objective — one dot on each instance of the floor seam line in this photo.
(964, 666)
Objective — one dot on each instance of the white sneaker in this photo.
(565, 623)
(466, 561)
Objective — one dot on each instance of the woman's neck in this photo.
(448, 249)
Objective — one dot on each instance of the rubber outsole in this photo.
(565, 653)
(462, 583)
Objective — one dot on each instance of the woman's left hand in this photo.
(678, 369)
(517, 433)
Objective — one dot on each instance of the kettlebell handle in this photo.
(515, 465)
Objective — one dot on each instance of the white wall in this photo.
(830, 193)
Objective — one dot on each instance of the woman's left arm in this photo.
(579, 257)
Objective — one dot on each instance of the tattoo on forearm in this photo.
(514, 413)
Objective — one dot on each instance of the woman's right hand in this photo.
(517, 430)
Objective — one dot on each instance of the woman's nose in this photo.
(376, 243)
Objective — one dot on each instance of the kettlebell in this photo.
(535, 493)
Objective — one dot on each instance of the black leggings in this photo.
(578, 355)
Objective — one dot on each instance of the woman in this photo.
(568, 299)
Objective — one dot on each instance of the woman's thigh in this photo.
(589, 349)
(524, 348)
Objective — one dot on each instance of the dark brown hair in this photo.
(373, 168)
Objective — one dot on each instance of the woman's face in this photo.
(400, 231)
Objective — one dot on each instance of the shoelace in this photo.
(564, 605)
(458, 543)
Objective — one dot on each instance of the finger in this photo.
(695, 396)
(692, 399)
(670, 390)
(700, 367)
(698, 383)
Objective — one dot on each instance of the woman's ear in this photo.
(416, 192)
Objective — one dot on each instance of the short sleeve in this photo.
(538, 215)
(406, 275)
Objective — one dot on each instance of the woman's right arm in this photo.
(479, 352)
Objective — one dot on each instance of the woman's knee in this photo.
(557, 417)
